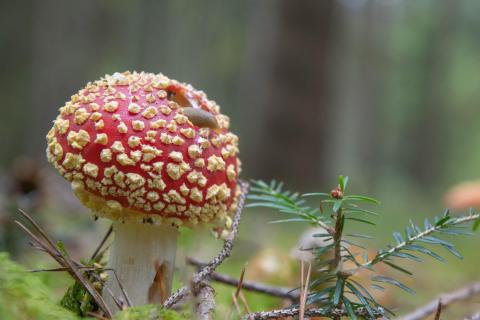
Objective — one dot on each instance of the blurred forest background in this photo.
(385, 91)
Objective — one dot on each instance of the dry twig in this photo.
(314, 312)
(63, 260)
(439, 310)
(464, 293)
(100, 245)
(476, 316)
(205, 301)
(72, 267)
(209, 268)
(280, 292)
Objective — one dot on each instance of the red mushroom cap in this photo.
(140, 146)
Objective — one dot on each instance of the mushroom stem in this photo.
(143, 256)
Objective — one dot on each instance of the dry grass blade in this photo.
(62, 269)
(237, 306)
(63, 260)
(105, 238)
(240, 281)
(303, 295)
(302, 306)
(39, 244)
(118, 303)
(42, 247)
(244, 301)
(38, 228)
(125, 295)
(81, 267)
(237, 293)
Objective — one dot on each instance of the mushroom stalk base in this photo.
(143, 256)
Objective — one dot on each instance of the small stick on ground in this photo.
(476, 316)
(205, 301)
(439, 310)
(461, 294)
(280, 292)
(313, 312)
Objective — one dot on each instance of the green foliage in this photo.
(272, 196)
(406, 244)
(149, 312)
(78, 300)
(334, 288)
(24, 296)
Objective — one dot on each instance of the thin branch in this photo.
(119, 304)
(432, 229)
(476, 316)
(464, 293)
(63, 269)
(205, 301)
(279, 292)
(88, 270)
(100, 245)
(439, 310)
(63, 260)
(228, 244)
(315, 312)
(120, 285)
(207, 270)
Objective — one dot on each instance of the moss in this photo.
(78, 300)
(149, 312)
(24, 296)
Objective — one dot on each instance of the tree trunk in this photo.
(289, 125)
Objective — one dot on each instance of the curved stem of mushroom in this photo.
(143, 256)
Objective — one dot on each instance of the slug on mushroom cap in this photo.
(143, 147)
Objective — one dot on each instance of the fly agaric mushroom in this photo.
(151, 154)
